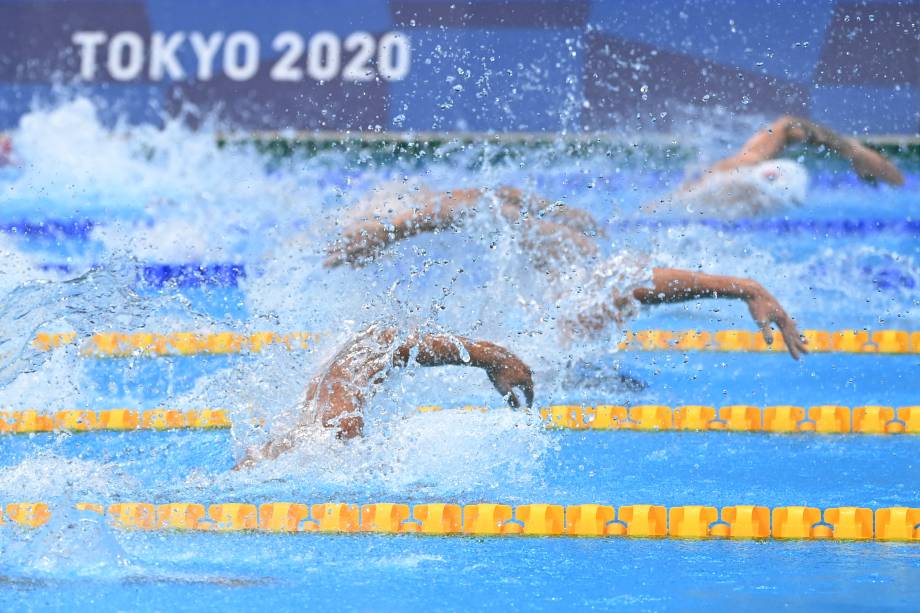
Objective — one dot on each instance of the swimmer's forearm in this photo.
(444, 350)
(440, 212)
(269, 451)
(869, 164)
(674, 285)
(508, 374)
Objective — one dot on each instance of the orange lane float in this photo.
(151, 344)
(821, 419)
(164, 344)
(497, 520)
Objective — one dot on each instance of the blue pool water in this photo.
(185, 236)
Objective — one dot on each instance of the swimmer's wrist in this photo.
(485, 355)
(750, 290)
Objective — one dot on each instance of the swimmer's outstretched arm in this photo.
(769, 143)
(342, 389)
(363, 241)
(339, 393)
(505, 370)
(673, 285)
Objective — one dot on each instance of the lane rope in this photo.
(488, 519)
(821, 419)
(151, 344)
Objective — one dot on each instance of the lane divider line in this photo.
(819, 341)
(821, 419)
(149, 344)
(488, 519)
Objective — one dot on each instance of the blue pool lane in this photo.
(849, 261)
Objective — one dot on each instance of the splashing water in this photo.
(170, 195)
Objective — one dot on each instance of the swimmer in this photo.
(753, 181)
(558, 240)
(670, 285)
(394, 213)
(336, 396)
(750, 182)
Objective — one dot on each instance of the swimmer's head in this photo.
(782, 180)
(761, 189)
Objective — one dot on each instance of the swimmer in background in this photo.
(558, 241)
(336, 396)
(750, 182)
(754, 182)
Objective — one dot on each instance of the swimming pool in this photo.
(148, 211)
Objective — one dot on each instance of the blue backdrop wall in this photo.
(483, 65)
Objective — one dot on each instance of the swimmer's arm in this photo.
(440, 211)
(364, 240)
(769, 143)
(338, 393)
(340, 406)
(505, 370)
(270, 450)
(673, 285)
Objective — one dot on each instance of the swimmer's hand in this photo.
(359, 243)
(509, 372)
(766, 310)
(871, 165)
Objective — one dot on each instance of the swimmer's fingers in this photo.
(766, 310)
(509, 375)
(795, 343)
(504, 388)
(512, 397)
(528, 392)
(766, 330)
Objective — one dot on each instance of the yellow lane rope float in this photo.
(824, 419)
(148, 344)
(585, 520)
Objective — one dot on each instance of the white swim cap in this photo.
(782, 180)
(764, 188)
